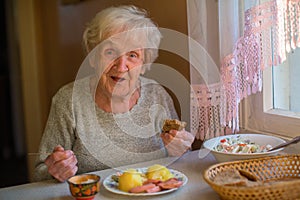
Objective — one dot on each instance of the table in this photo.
(189, 164)
(192, 164)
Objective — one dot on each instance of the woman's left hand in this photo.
(177, 142)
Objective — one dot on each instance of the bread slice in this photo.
(173, 124)
(230, 177)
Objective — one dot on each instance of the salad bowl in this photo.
(242, 146)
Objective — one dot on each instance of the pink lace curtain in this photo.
(253, 35)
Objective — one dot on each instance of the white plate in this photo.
(112, 185)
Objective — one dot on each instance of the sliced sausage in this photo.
(152, 181)
(142, 188)
(155, 189)
(170, 184)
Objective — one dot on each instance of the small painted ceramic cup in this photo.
(85, 186)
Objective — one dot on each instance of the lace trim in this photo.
(207, 111)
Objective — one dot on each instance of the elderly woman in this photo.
(115, 116)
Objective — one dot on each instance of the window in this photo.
(277, 108)
(286, 87)
(248, 30)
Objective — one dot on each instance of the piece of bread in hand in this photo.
(173, 124)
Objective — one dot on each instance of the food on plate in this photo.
(129, 179)
(158, 172)
(173, 124)
(157, 186)
(149, 187)
(170, 183)
(156, 178)
(240, 145)
(234, 177)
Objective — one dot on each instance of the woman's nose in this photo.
(122, 64)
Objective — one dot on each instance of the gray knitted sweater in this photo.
(102, 140)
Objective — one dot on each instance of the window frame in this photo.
(257, 113)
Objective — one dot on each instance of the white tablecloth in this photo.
(190, 164)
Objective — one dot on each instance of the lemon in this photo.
(130, 179)
(159, 172)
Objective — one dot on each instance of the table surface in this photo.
(192, 164)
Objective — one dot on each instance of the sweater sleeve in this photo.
(166, 110)
(59, 130)
(170, 105)
(167, 102)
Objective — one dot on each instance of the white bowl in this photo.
(259, 139)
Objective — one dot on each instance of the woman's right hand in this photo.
(62, 163)
(177, 142)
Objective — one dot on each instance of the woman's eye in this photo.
(110, 53)
(133, 55)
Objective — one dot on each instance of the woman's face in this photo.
(120, 67)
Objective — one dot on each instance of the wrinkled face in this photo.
(120, 66)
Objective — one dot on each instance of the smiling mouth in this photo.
(117, 79)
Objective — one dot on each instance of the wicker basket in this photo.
(273, 168)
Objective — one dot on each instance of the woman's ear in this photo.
(145, 68)
(147, 56)
(92, 59)
(147, 61)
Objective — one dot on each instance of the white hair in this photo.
(114, 20)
